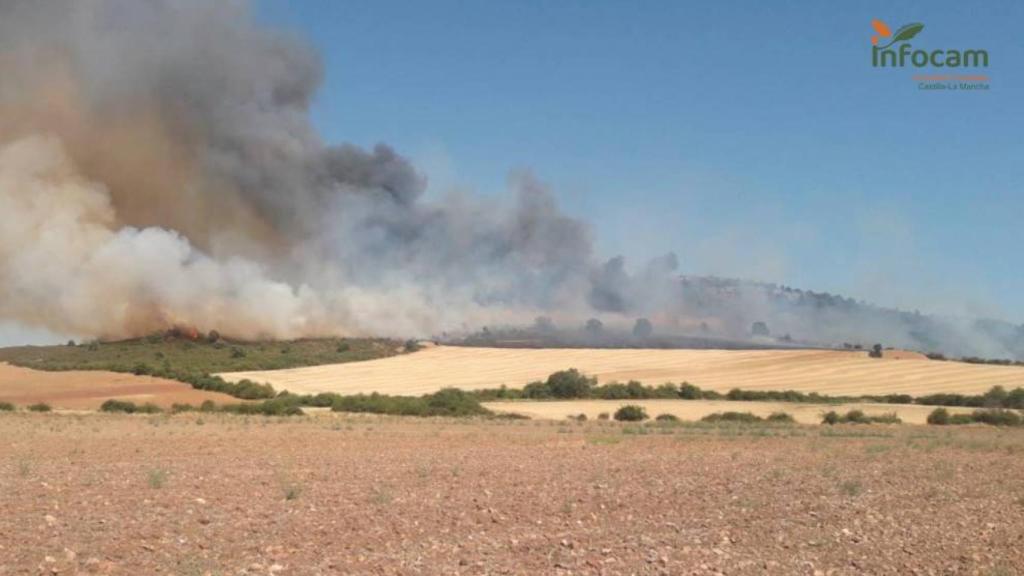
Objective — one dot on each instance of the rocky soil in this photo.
(329, 494)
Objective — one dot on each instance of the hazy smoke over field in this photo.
(158, 168)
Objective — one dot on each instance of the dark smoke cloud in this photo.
(158, 167)
(172, 143)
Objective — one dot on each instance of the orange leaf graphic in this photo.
(881, 27)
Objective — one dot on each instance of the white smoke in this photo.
(158, 168)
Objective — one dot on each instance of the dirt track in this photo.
(193, 495)
(827, 372)
(89, 389)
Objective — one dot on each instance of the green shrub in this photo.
(570, 384)
(581, 417)
(780, 418)
(856, 417)
(511, 416)
(961, 419)
(1015, 399)
(537, 391)
(603, 416)
(896, 399)
(129, 407)
(249, 390)
(447, 402)
(950, 400)
(501, 393)
(996, 397)
(939, 417)
(322, 400)
(118, 406)
(142, 369)
(859, 417)
(631, 413)
(275, 407)
(688, 391)
(632, 390)
(887, 418)
(997, 417)
(378, 404)
(741, 417)
(453, 402)
(667, 418)
(6, 407)
(40, 407)
(666, 391)
(284, 406)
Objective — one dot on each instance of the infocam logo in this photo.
(899, 53)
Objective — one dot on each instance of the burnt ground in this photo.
(332, 494)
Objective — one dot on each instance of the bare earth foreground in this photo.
(824, 371)
(333, 494)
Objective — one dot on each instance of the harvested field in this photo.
(216, 494)
(86, 390)
(692, 410)
(827, 372)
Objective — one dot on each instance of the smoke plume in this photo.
(158, 168)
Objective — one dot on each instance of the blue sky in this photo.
(753, 139)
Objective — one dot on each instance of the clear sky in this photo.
(754, 139)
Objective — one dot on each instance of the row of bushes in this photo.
(992, 416)
(572, 384)
(859, 417)
(275, 407)
(748, 418)
(939, 416)
(39, 407)
(244, 389)
(448, 402)
(994, 361)
(996, 397)
(634, 413)
(738, 394)
(129, 407)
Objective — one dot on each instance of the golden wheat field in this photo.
(823, 371)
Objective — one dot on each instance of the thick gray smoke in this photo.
(158, 168)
